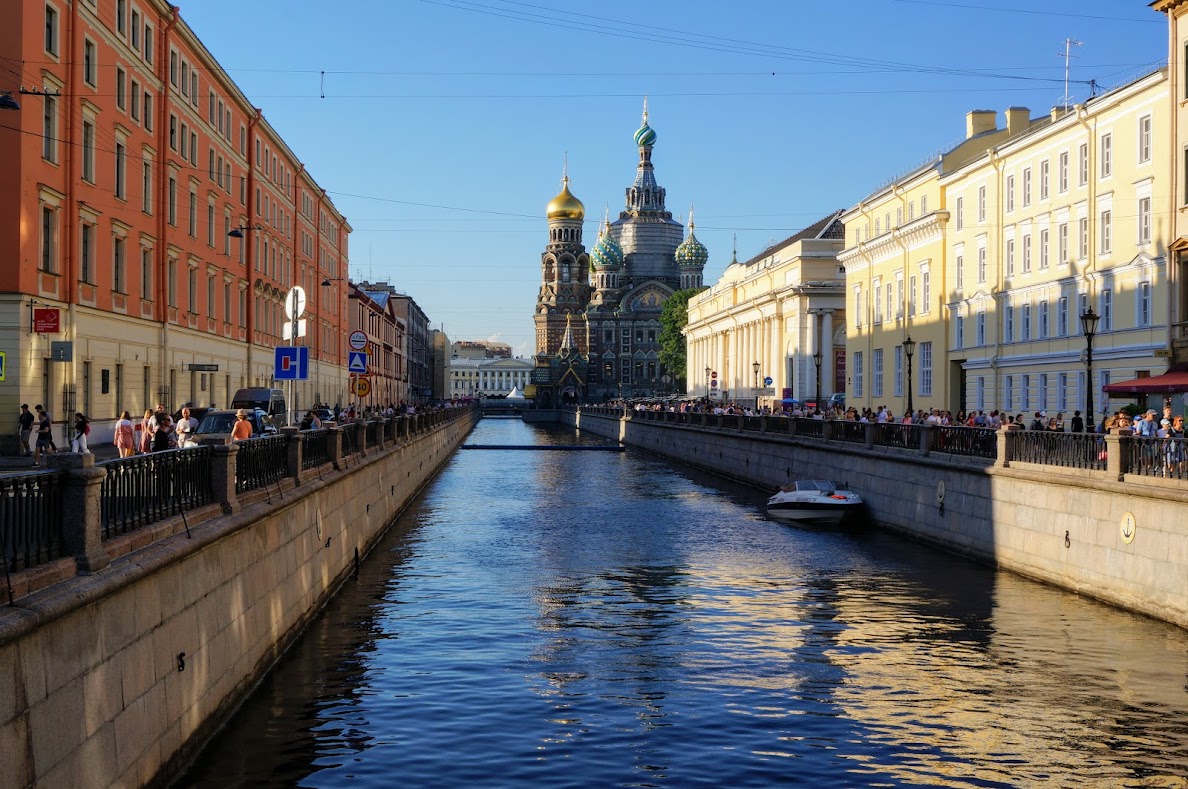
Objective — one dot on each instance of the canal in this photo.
(611, 619)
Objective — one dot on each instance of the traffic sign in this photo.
(295, 303)
(362, 386)
(357, 362)
(292, 363)
(714, 374)
(358, 340)
(713, 384)
(767, 381)
(287, 329)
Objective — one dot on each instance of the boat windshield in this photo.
(815, 484)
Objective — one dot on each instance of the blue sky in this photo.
(444, 124)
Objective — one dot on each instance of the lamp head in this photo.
(7, 102)
(235, 233)
(909, 346)
(1089, 320)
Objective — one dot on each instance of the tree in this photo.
(674, 316)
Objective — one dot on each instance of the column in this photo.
(827, 351)
(777, 356)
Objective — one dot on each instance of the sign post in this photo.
(294, 308)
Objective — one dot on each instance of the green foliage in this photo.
(673, 317)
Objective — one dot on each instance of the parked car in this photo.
(270, 401)
(196, 411)
(220, 423)
(837, 399)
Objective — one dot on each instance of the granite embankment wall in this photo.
(1062, 526)
(118, 678)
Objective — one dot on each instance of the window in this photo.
(899, 216)
(1083, 164)
(857, 306)
(173, 201)
(210, 225)
(899, 371)
(121, 173)
(960, 266)
(981, 264)
(1144, 220)
(1062, 173)
(87, 253)
(926, 291)
(1010, 193)
(981, 329)
(1107, 310)
(960, 207)
(1042, 399)
(210, 297)
(1026, 186)
(926, 369)
(193, 214)
(90, 66)
(1008, 324)
(146, 273)
(877, 305)
(1062, 317)
(185, 79)
(876, 373)
(51, 30)
(147, 187)
(1010, 257)
(173, 69)
(192, 294)
(1043, 248)
(121, 8)
(1025, 393)
(193, 148)
(1144, 304)
(136, 30)
(1008, 386)
(1043, 320)
(49, 129)
(1062, 392)
(959, 325)
(49, 240)
(1107, 155)
(148, 111)
(1025, 335)
(981, 203)
(923, 205)
(88, 151)
(121, 88)
(858, 374)
(135, 96)
(1144, 139)
(911, 296)
(1106, 232)
(1062, 244)
(1082, 238)
(173, 131)
(210, 167)
(891, 301)
(118, 263)
(1045, 179)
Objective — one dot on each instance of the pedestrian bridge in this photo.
(490, 407)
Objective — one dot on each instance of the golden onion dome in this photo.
(565, 205)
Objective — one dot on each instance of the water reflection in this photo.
(606, 619)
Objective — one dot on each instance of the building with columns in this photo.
(778, 309)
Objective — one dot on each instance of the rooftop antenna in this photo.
(1068, 45)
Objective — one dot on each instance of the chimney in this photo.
(1018, 119)
(979, 121)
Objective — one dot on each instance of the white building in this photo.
(487, 377)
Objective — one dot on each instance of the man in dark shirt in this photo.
(26, 422)
(1078, 424)
(45, 440)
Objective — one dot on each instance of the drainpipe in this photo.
(161, 307)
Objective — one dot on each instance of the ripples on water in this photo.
(603, 619)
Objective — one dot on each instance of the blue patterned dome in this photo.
(691, 253)
(607, 253)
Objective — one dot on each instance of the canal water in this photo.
(610, 619)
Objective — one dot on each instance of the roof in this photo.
(1168, 383)
(830, 227)
(380, 297)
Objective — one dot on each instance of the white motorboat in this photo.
(813, 501)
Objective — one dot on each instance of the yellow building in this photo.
(1069, 211)
(895, 262)
(768, 317)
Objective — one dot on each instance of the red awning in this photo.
(1154, 384)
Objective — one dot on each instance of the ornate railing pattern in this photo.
(806, 426)
(374, 432)
(1069, 450)
(980, 442)
(143, 489)
(1157, 457)
(260, 462)
(893, 434)
(315, 448)
(30, 519)
(852, 432)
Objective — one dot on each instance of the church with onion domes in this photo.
(604, 305)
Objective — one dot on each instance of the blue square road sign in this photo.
(292, 363)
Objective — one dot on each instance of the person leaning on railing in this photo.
(243, 428)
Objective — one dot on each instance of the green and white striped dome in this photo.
(691, 253)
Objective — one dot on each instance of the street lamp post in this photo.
(909, 348)
(666, 379)
(1089, 321)
(707, 382)
(817, 358)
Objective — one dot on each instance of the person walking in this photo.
(243, 428)
(82, 428)
(45, 440)
(26, 429)
(187, 426)
(125, 436)
(163, 436)
(145, 444)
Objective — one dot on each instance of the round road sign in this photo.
(358, 340)
(767, 381)
(362, 387)
(714, 374)
(713, 384)
(295, 303)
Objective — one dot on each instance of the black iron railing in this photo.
(1156, 457)
(852, 432)
(807, 426)
(1069, 450)
(374, 432)
(893, 434)
(979, 442)
(144, 489)
(261, 462)
(30, 519)
(315, 448)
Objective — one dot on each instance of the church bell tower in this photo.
(564, 272)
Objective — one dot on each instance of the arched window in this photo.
(565, 271)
